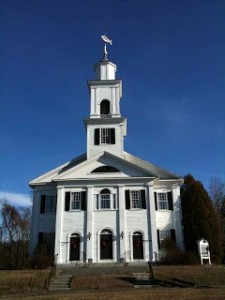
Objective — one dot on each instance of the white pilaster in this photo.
(122, 222)
(152, 222)
(177, 216)
(92, 102)
(90, 227)
(59, 224)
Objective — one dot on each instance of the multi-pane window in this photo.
(162, 201)
(165, 234)
(75, 201)
(135, 199)
(48, 204)
(105, 201)
(104, 136)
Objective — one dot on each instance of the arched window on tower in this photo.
(105, 108)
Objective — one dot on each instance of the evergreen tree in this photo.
(217, 194)
(200, 219)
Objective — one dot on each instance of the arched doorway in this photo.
(137, 245)
(106, 251)
(105, 107)
(75, 246)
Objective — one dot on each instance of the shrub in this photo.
(172, 255)
(42, 258)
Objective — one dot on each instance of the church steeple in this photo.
(105, 126)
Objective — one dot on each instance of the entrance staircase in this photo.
(60, 282)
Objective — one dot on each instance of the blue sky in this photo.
(169, 54)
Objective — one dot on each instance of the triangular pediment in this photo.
(104, 165)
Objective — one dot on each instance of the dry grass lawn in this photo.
(22, 281)
(173, 282)
(137, 294)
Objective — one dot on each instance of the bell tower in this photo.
(105, 127)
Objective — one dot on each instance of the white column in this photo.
(118, 100)
(90, 228)
(92, 101)
(177, 216)
(122, 222)
(97, 106)
(152, 222)
(58, 225)
(113, 97)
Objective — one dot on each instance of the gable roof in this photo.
(156, 170)
(72, 169)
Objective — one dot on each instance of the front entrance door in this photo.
(106, 251)
(75, 247)
(137, 245)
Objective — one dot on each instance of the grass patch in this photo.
(136, 294)
(100, 282)
(197, 275)
(22, 281)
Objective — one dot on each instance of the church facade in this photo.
(106, 205)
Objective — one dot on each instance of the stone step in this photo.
(60, 282)
(58, 288)
(60, 279)
(141, 279)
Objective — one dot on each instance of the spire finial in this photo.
(106, 40)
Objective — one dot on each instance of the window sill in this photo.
(105, 209)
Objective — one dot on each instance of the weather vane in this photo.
(107, 41)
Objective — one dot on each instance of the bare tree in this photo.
(217, 192)
(15, 228)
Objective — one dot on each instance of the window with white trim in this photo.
(162, 201)
(104, 136)
(105, 200)
(76, 201)
(135, 199)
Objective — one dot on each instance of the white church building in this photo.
(106, 205)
